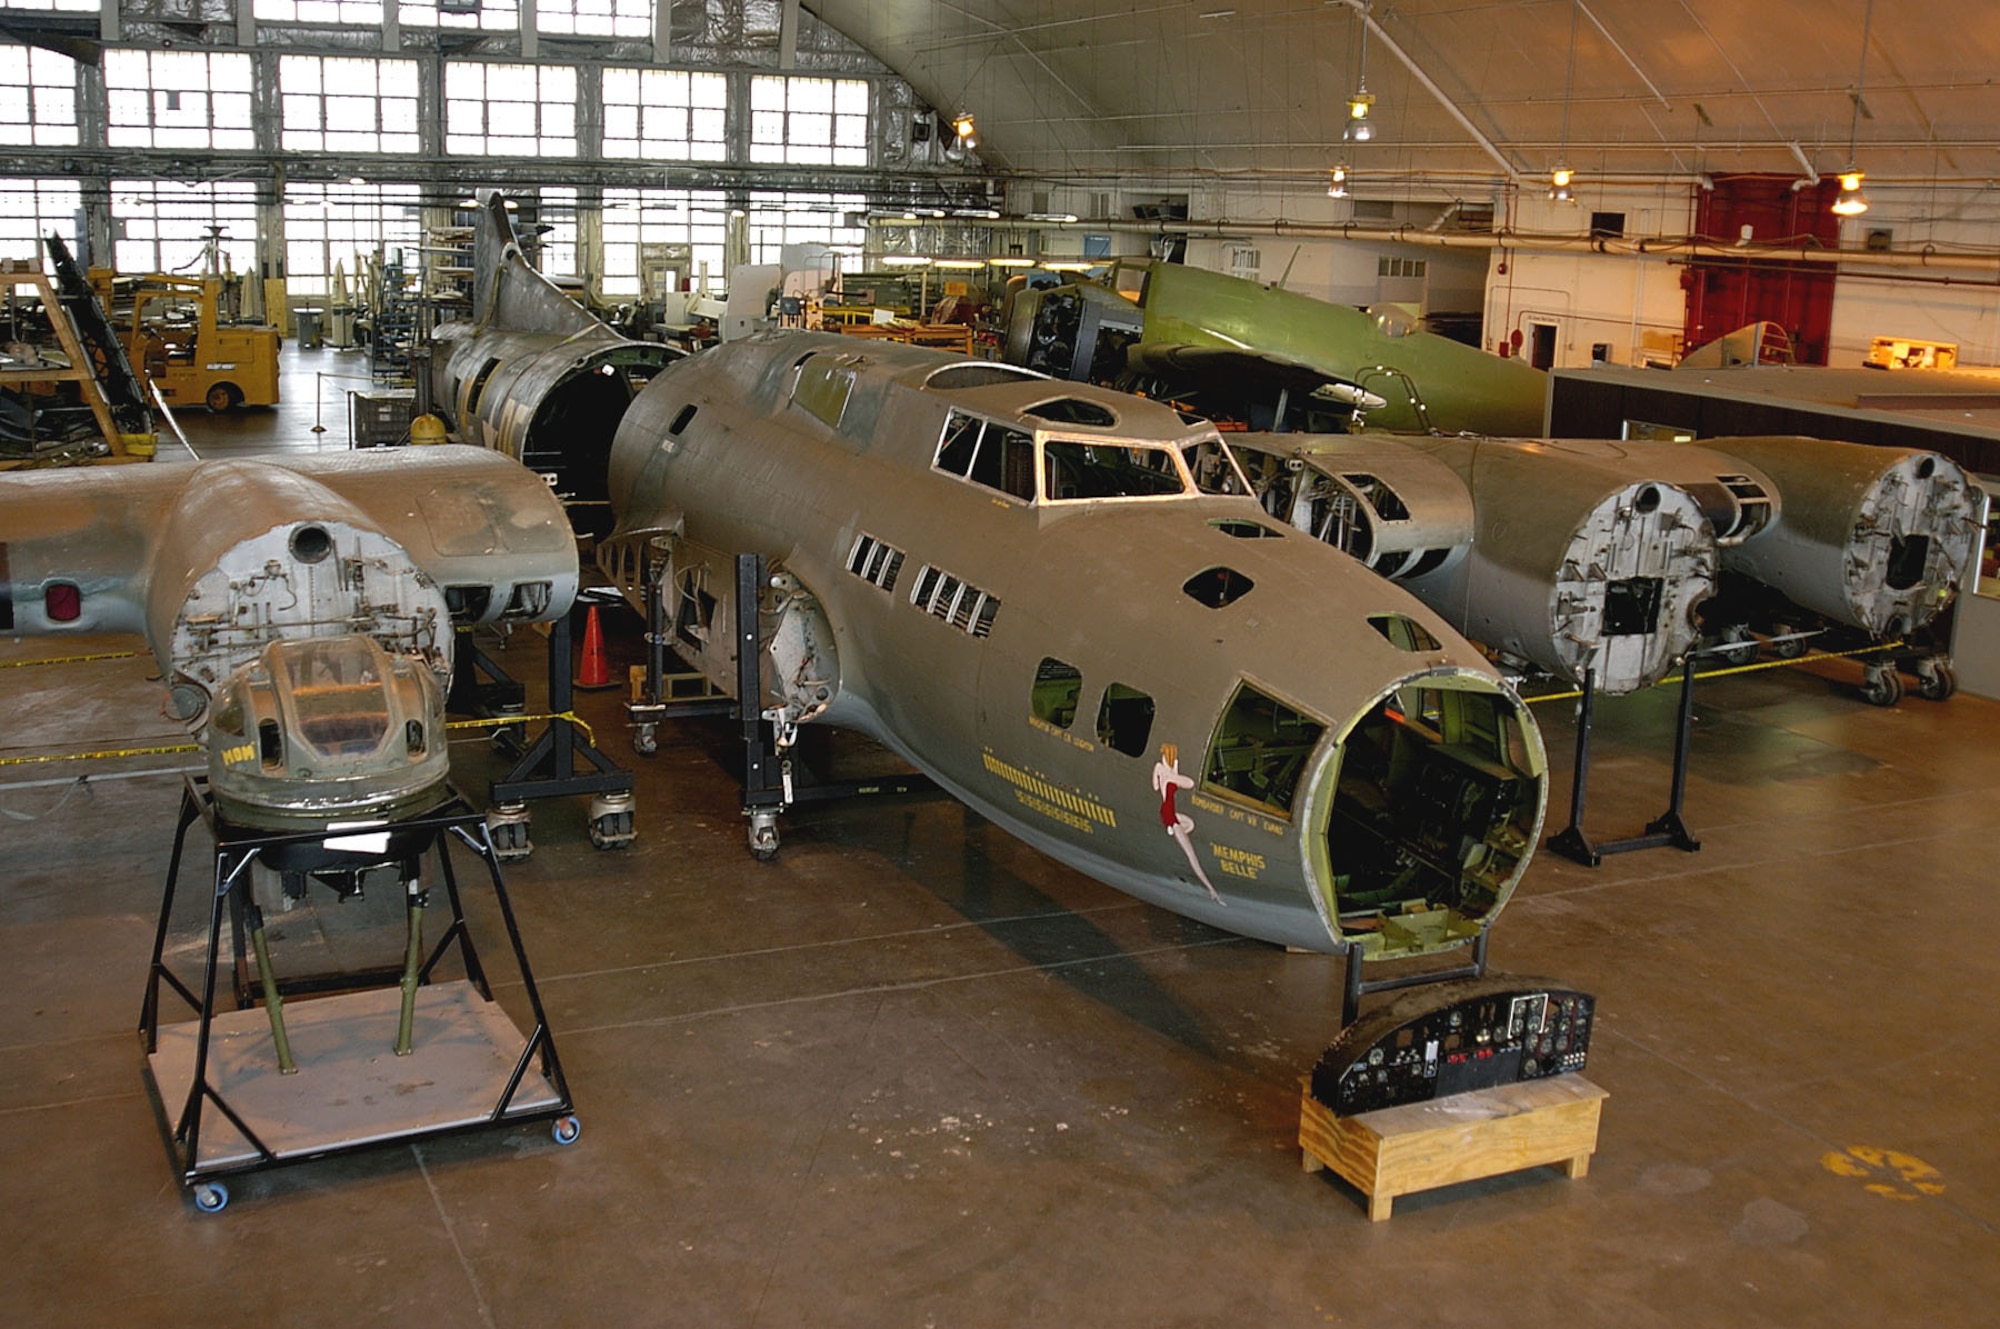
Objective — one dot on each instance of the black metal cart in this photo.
(376, 1057)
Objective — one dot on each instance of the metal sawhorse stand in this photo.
(373, 1065)
(1664, 831)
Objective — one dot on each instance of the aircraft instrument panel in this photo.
(1439, 1041)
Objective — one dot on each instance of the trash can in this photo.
(308, 327)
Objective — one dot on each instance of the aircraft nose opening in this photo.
(1907, 557)
(1438, 794)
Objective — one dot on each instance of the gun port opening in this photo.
(1437, 799)
(311, 544)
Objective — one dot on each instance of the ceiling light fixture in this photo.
(1850, 201)
(1362, 101)
(967, 131)
(904, 261)
(1559, 178)
(1336, 186)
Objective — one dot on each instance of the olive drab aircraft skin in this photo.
(1061, 603)
(1207, 337)
(302, 609)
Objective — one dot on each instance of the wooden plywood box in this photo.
(1421, 1146)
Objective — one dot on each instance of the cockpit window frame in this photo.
(1189, 490)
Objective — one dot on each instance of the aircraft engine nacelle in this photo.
(1575, 565)
(221, 593)
(1399, 512)
(1878, 538)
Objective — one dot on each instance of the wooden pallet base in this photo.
(1401, 1150)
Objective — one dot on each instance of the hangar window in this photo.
(37, 97)
(178, 99)
(595, 18)
(1125, 719)
(809, 121)
(347, 104)
(166, 223)
(509, 110)
(355, 13)
(328, 223)
(31, 209)
(1058, 687)
(664, 113)
(486, 15)
(1260, 748)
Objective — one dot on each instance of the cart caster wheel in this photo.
(646, 739)
(211, 1196)
(566, 1129)
(508, 828)
(1936, 679)
(1739, 647)
(611, 821)
(763, 836)
(1883, 686)
(1789, 646)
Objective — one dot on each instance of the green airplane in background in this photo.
(1236, 349)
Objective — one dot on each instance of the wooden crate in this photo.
(1401, 1150)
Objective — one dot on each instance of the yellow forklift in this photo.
(177, 336)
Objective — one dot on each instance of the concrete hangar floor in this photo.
(914, 1073)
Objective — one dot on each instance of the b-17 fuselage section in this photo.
(1061, 604)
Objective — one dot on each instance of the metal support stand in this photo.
(338, 1073)
(1354, 989)
(774, 776)
(1667, 830)
(549, 768)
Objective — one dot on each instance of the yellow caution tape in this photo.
(1808, 658)
(109, 754)
(68, 659)
(103, 755)
(502, 721)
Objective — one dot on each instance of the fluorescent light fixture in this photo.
(1059, 218)
(1012, 262)
(960, 264)
(1851, 201)
(904, 261)
(1067, 265)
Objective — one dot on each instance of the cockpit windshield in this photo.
(1075, 470)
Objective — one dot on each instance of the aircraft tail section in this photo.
(510, 295)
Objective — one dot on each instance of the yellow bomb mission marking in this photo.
(1889, 1174)
(1071, 809)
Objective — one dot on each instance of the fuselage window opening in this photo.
(1125, 719)
(875, 562)
(1058, 687)
(1218, 587)
(1260, 749)
(988, 453)
(682, 420)
(1214, 468)
(1075, 470)
(822, 389)
(1405, 634)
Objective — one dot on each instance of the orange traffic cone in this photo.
(594, 673)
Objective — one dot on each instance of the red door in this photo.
(1726, 294)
